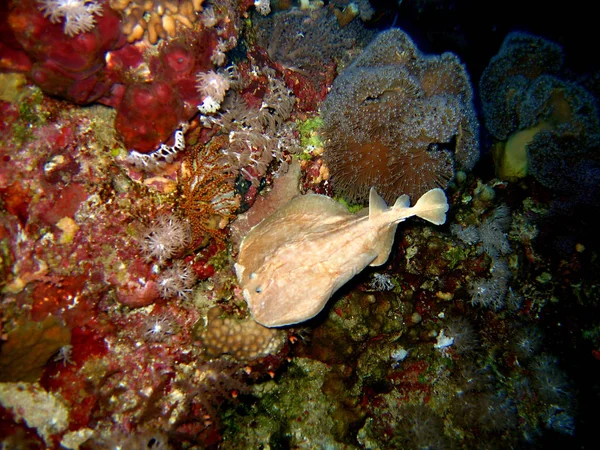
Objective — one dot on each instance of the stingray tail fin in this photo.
(432, 206)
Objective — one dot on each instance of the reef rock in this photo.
(293, 261)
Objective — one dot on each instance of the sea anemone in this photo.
(157, 328)
(527, 342)
(550, 382)
(399, 121)
(164, 237)
(465, 337)
(176, 280)
(490, 292)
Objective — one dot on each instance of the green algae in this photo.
(309, 132)
(32, 114)
(455, 255)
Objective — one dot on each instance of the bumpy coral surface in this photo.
(68, 66)
(243, 339)
(151, 84)
(156, 19)
(399, 120)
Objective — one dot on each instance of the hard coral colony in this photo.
(195, 245)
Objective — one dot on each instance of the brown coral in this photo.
(399, 120)
(156, 18)
(244, 339)
(29, 346)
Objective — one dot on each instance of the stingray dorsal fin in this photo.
(377, 204)
(402, 202)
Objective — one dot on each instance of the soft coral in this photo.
(78, 14)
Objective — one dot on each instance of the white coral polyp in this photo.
(78, 15)
(209, 105)
(212, 84)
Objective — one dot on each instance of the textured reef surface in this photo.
(141, 141)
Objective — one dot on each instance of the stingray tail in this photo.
(432, 206)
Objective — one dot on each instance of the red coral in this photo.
(61, 203)
(148, 115)
(69, 67)
(66, 378)
(15, 198)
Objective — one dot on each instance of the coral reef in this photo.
(399, 120)
(254, 122)
(307, 45)
(119, 306)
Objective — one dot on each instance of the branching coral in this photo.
(156, 18)
(399, 120)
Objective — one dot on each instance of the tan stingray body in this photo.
(291, 263)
